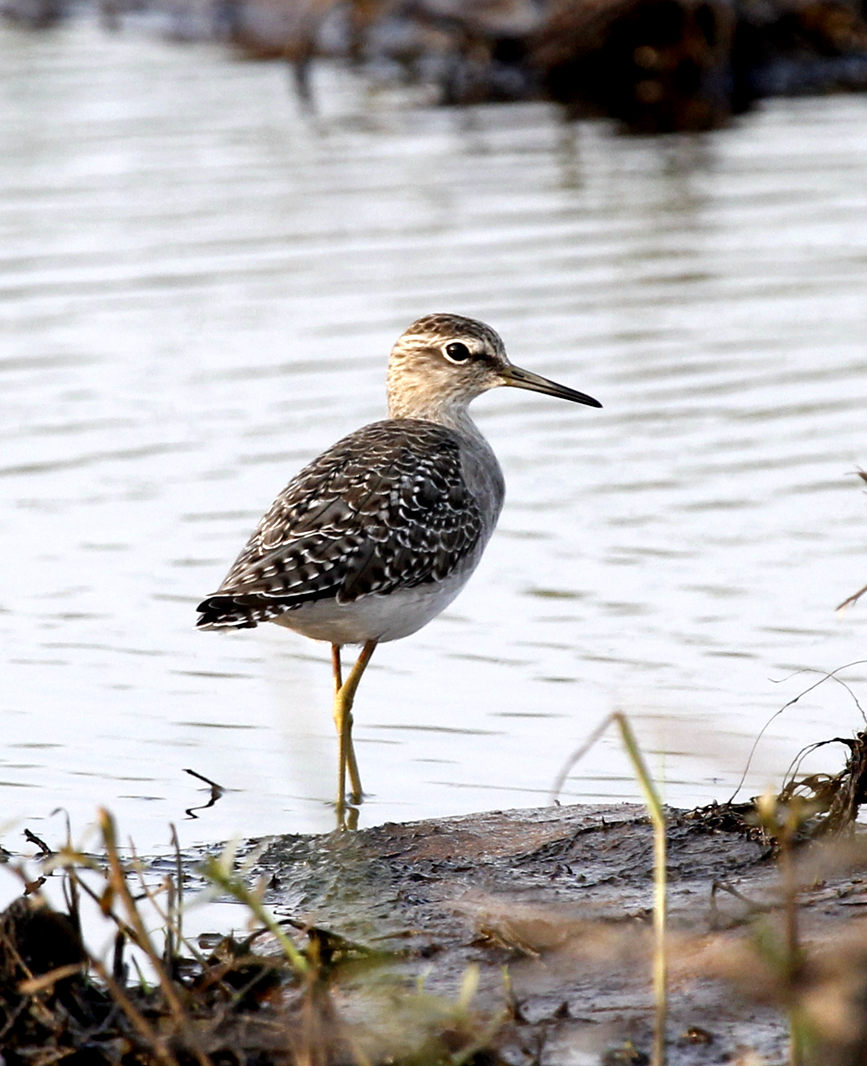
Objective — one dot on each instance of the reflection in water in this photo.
(201, 287)
(216, 792)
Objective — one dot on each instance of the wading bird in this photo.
(378, 535)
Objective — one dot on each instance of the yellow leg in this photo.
(339, 722)
(344, 694)
(336, 667)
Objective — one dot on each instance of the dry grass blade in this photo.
(850, 600)
(219, 872)
(657, 817)
(117, 887)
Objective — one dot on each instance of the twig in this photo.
(830, 675)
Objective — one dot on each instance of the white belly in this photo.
(379, 618)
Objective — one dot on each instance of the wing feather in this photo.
(385, 507)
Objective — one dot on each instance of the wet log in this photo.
(656, 65)
(798, 47)
(498, 938)
(34, 14)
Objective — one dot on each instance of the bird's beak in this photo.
(525, 379)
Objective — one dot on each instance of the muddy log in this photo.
(657, 65)
(518, 937)
(664, 65)
(654, 65)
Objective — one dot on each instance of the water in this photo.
(198, 287)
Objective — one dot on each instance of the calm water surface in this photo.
(198, 288)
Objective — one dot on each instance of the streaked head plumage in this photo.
(443, 361)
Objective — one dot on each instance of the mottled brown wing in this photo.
(385, 507)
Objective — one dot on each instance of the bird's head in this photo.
(442, 362)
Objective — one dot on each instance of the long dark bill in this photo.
(525, 379)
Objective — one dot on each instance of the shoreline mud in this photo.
(500, 938)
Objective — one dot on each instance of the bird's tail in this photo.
(234, 612)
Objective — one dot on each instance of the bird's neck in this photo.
(457, 418)
(454, 415)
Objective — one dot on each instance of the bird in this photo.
(377, 536)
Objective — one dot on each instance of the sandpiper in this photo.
(378, 535)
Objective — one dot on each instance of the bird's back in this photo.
(398, 505)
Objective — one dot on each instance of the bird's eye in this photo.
(457, 352)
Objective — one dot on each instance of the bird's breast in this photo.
(391, 616)
(484, 481)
